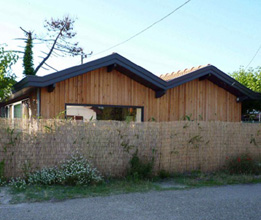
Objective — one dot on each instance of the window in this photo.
(6, 111)
(18, 111)
(104, 112)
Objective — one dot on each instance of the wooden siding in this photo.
(33, 103)
(200, 100)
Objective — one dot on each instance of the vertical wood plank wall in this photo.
(201, 100)
(33, 102)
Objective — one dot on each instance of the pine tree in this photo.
(60, 32)
(28, 56)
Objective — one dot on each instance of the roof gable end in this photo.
(219, 78)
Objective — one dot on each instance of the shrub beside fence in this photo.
(175, 146)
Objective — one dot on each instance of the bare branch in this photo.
(64, 51)
(14, 51)
(50, 52)
(20, 39)
(44, 52)
(26, 32)
(57, 40)
(45, 68)
(55, 54)
(44, 40)
(51, 67)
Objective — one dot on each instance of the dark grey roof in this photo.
(124, 65)
(219, 78)
(142, 76)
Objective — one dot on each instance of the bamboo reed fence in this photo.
(180, 146)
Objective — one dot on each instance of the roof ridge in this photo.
(175, 74)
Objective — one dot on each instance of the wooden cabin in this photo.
(114, 88)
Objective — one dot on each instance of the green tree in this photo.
(251, 78)
(28, 55)
(7, 77)
(59, 33)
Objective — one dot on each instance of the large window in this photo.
(104, 112)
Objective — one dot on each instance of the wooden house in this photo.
(114, 88)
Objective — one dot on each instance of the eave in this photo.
(121, 64)
(141, 75)
(219, 78)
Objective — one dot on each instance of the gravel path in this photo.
(5, 197)
(226, 202)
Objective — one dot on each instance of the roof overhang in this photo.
(120, 63)
(21, 94)
(141, 75)
(219, 78)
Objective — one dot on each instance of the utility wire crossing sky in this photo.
(147, 28)
(223, 33)
(254, 56)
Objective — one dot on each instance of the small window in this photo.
(5, 112)
(18, 111)
(103, 112)
(2, 110)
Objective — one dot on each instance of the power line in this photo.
(253, 57)
(145, 29)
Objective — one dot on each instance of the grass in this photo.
(120, 186)
(57, 193)
(214, 179)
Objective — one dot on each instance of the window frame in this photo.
(21, 110)
(102, 105)
(11, 107)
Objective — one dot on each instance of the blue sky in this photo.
(223, 33)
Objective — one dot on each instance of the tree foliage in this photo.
(28, 55)
(59, 35)
(251, 78)
(7, 77)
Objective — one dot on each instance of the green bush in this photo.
(2, 181)
(46, 176)
(243, 164)
(78, 171)
(163, 174)
(2, 178)
(17, 183)
(139, 169)
(75, 171)
(2, 167)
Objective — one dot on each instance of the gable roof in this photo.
(170, 76)
(113, 61)
(159, 84)
(219, 78)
